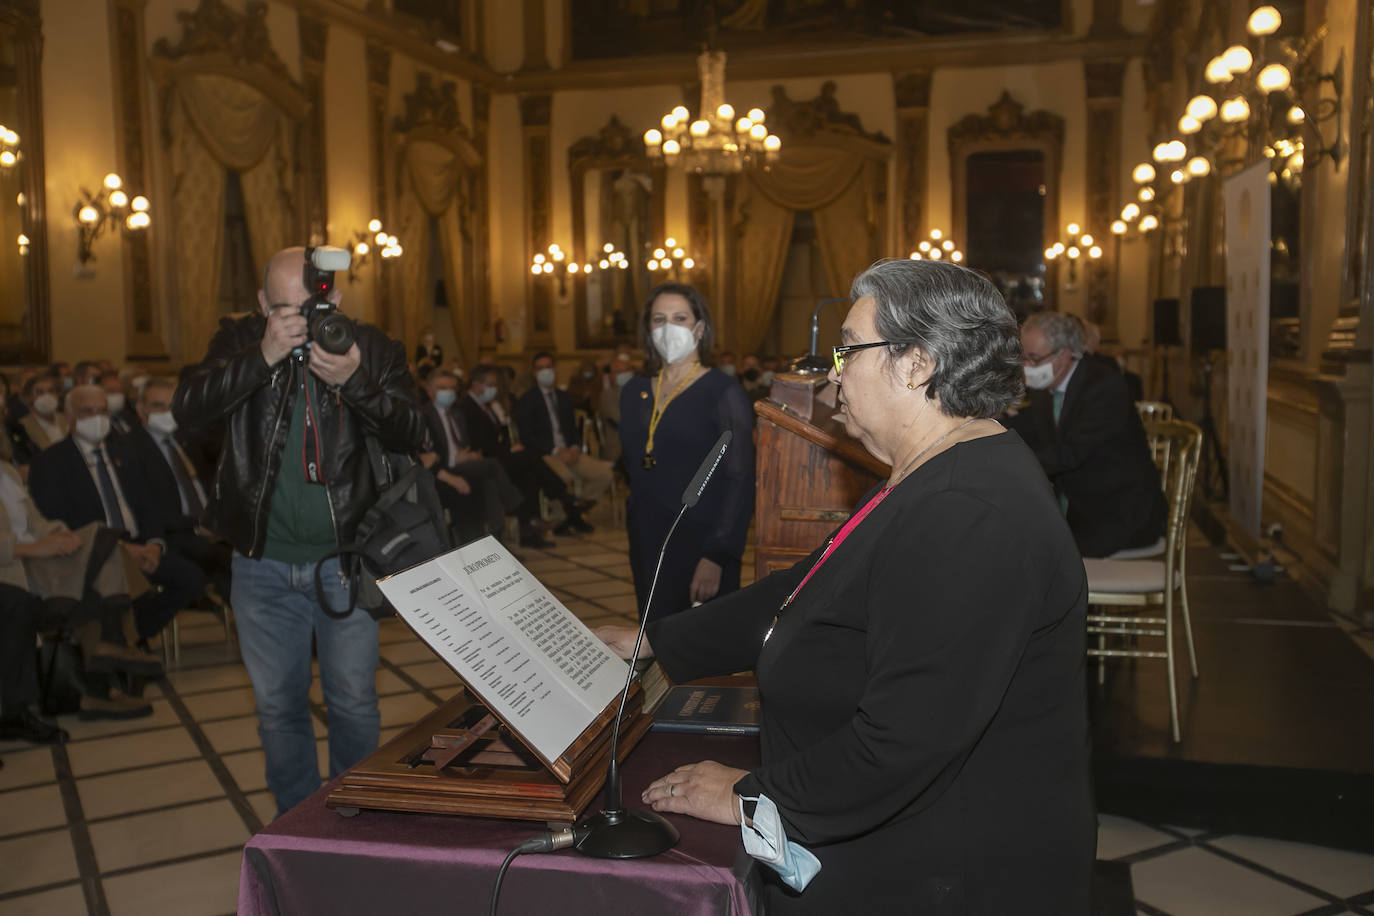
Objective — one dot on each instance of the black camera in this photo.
(326, 325)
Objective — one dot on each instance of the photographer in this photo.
(294, 480)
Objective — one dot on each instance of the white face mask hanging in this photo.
(766, 840)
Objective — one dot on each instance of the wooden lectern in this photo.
(811, 474)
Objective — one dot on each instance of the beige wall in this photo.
(348, 160)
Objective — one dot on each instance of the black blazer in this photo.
(161, 481)
(1098, 457)
(438, 437)
(62, 488)
(488, 435)
(532, 419)
(924, 725)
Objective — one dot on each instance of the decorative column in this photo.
(912, 91)
(315, 213)
(143, 329)
(536, 42)
(1103, 78)
(378, 87)
(481, 229)
(535, 113)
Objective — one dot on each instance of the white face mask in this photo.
(767, 377)
(673, 341)
(93, 429)
(138, 383)
(545, 378)
(486, 395)
(1039, 377)
(45, 405)
(116, 402)
(445, 397)
(728, 369)
(162, 422)
(623, 378)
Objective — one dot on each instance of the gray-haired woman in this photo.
(924, 727)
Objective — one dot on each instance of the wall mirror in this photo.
(1005, 174)
(617, 199)
(23, 251)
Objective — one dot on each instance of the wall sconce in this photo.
(937, 247)
(553, 263)
(9, 149)
(375, 239)
(23, 241)
(97, 212)
(1080, 244)
(671, 258)
(612, 257)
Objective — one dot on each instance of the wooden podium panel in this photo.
(810, 476)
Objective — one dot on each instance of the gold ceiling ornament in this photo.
(716, 142)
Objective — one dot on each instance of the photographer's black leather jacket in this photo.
(234, 383)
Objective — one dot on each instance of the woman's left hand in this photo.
(705, 581)
(705, 790)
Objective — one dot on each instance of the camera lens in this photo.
(332, 331)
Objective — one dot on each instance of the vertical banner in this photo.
(1247, 339)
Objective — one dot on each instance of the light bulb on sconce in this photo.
(374, 240)
(937, 247)
(1079, 244)
(109, 207)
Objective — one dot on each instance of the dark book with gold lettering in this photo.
(709, 711)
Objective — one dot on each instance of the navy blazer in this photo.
(438, 437)
(489, 435)
(161, 480)
(532, 419)
(62, 488)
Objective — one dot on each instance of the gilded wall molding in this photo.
(378, 60)
(817, 118)
(143, 327)
(912, 93)
(313, 37)
(428, 105)
(535, 112)
(1104, 79)
(481, 134)
(213, 28)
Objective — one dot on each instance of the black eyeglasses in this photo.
(841, 353)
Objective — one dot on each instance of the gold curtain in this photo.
(198, 216)
(236, 122)
(845, 230)
(267, 205)
(432, 186)
(762, 231)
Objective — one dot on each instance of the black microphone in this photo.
(615, 833)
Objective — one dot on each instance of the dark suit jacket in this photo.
(438, 437)
(532, 419)
(1097, 456)
(489, 436)
(160, 480)
(62, 488)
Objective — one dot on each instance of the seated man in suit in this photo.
(93, 477)
(1082, 426)
(473, 489)
(545, 419)
(176, 482)
(123, 413)
(44, 424)
(527, 471)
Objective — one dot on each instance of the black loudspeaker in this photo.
(1166, 323)
(1207, 312)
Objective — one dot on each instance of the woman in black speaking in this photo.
(924, 727)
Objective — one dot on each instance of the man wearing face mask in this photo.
(44, 424)
(92, 476)
(548, 427)
(123, 416)
(1082, 426)
(473, 489)
(609, 407)
(177, 483)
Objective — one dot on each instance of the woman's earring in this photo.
(911, 386)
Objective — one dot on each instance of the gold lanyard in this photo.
(661, 405)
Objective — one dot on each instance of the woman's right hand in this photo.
(56, 544)
(621, 641)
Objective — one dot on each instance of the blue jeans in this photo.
(275, 606)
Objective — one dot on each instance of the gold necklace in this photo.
(923, 452)
(660, 405)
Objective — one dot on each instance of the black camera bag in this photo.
(404, 528)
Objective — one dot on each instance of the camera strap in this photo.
(310, 444)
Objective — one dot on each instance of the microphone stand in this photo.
(615, 832)
(812, 362)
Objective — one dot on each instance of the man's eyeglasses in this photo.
(1030, 359)
(842, 353)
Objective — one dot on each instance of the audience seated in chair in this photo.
(78, 583)
(44, 424)
(472, 488)
(527, 470)
(178, 486)
(1083, 426)
(544, 416)
(92, 476)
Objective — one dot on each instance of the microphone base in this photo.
(625, 834)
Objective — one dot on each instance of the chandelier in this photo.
(716, 143)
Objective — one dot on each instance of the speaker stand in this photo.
(1214, 475)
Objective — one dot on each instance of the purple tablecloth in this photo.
(313, 860)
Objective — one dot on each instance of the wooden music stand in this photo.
(462, 759)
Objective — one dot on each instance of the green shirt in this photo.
(300, 527)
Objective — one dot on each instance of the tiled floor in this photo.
(148, 817)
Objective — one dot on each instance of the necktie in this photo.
(552, 403)
(1058, 405)
(194, 506)
(453, 441)
(109, 496)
